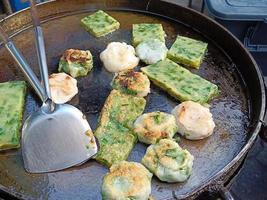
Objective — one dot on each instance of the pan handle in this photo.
(226, 194)
(263, 132)
(222, 187)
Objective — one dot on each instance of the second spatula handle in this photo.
(40, 46)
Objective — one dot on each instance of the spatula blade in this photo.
(56, 141)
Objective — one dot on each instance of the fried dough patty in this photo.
(63, 87)
(131, 82)
(168, 161)
(127, 180)
(151, 127)
(194, 120)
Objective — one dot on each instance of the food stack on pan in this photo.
(122, 122)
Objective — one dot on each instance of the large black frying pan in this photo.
(238, 111)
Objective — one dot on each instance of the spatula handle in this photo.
(40, 46)
(24, 66)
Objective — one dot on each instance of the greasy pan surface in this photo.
(231, 109)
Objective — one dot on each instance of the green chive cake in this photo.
(76, 62)
(115, 128)
(180, 82)
(12, 100)
(142, 32)
(187, 51)
(100, 23)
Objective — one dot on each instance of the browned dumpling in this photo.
(168, 161)
(127, 180)
(151, 127)
(63, 87)
(194, 121)
(131, 82)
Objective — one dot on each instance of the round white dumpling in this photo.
(151, 51)
(127, 180)
(151, 127)
(168, 161)
(118, 56)
(194, 121)
(63, 87)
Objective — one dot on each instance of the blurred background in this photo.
(247, 20)
(7, 7)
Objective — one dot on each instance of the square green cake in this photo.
(187, 51)
(100, 23)
(142, 32)
(180, 82)
(12, 100)
(115, 128)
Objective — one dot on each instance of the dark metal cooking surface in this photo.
(230, 110)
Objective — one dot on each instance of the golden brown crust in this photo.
(132, 80)
(104, 118)
(182, 113)
(74, 55)
(153, 134)
(126, 79)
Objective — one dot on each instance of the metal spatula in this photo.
(55, 137)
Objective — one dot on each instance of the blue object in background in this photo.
(241, 10)
(19, 4)
(246, 19)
